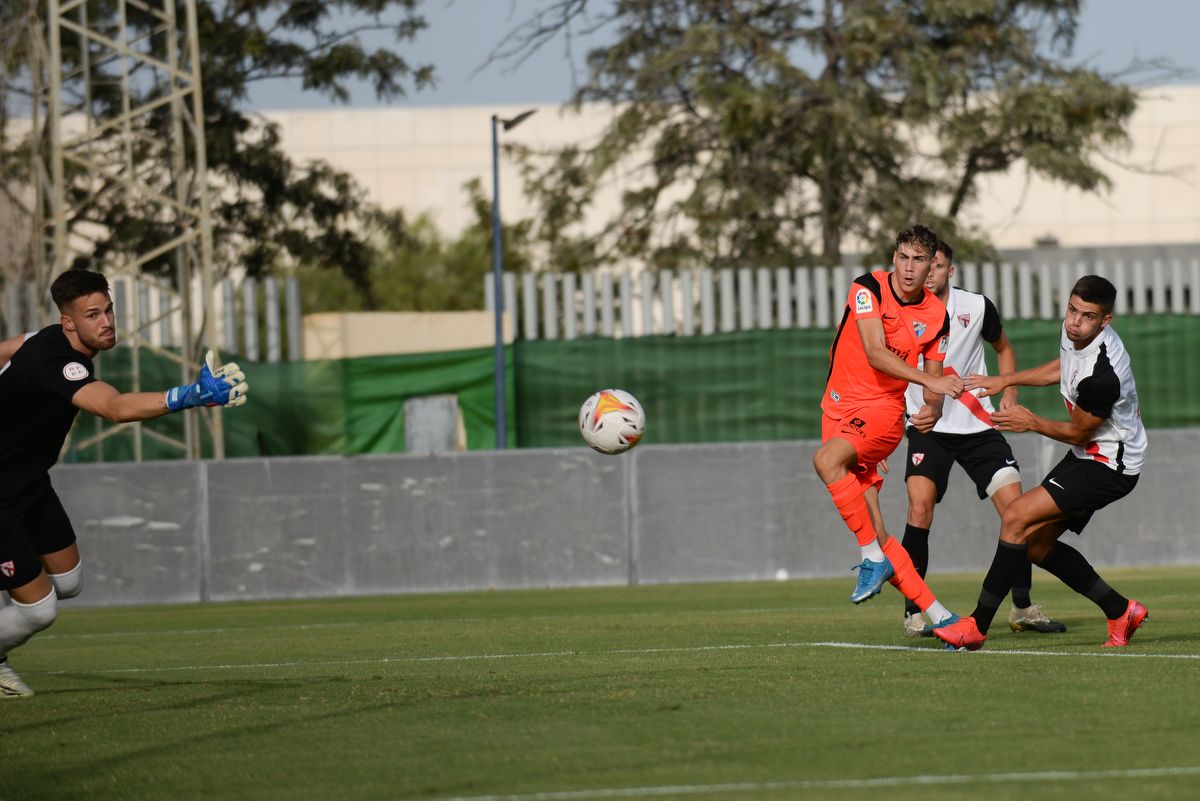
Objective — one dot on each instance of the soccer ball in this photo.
(612, 421)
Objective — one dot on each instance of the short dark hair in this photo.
(944, 247)
(1098, 290)
(920, 235)
(76, 284)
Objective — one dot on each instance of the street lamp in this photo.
(498, 276)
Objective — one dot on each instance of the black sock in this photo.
(1074, 570)
(1006, 565)
(916, 542)
(1020, 590)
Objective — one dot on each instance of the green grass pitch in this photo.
(719, 691)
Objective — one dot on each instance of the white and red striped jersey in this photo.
(1099, 380)
(973, 320)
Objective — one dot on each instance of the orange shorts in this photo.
(874, 431)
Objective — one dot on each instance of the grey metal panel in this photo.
(687, 304)
(666, 295)
(139, 529)
(728, 301)
(277, 528)
(271, 307)
(529, 307)
(708, 317)
(736, 511)
(589, 304)
(607, 314)
(295, 342)
(513, 519)
(570, 307)
(626, 295)
(647, 296)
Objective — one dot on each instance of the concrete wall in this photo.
(417, 159)
(314, 526)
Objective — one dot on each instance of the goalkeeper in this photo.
(47, 377)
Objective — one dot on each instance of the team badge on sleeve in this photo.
(74, 371)
(917, 458)
(862, 301)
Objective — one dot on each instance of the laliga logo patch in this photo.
(8, 568)
(862, 301)
(74, 371)
(965, 319)
(836, 397)
(917, 458)
(919, 328)
(943, 344)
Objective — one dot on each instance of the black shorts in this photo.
(1081, 486)
(35, 525)
(982, 455)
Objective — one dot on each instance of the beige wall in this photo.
(345, 335)
(418, 159)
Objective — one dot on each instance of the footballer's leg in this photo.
(1025, 615)
(835, 462)
(33, 607)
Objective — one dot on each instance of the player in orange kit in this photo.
(890, 320)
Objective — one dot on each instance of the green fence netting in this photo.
(749, 385)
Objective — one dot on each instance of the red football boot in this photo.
(1120, 631)
(962, 633)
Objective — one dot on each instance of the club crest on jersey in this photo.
(862, 301)
(917, 458)
(965, 319)
(8, 568)
(74, 371)
(918, 328)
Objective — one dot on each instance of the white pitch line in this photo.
(175, 632)
(611, 652)
(833, 784)
(1005, 651)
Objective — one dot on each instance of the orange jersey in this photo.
(918, 328)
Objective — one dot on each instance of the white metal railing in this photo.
(159, 315)
(565, 306)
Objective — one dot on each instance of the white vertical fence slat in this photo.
(588, 290)
(821, 294)
(570, 307)
(550, 305)
(529, 305)
(249, 317)
(745, 296)
(1118, 280)
(840, 280)
(1045, 294)
(666, 294)
(1009, 302)
(783, 297)
(687, 305)
(708, 306)
(728, 302)
(1177, 287)
(1158, 283)
(1194, 287)
(647, 293)
(626, 287)
(803, 297)
(1025, 305)
(988, 282)
(765, 317)
(510, 299)
(608, 318)
(970, 278)
(274, 340)
(1137, 283)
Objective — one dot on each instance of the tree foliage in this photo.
(268, 210)
(795, 131)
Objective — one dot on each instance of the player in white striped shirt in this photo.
(964, 435)
(1108, 447)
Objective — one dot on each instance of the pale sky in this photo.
(462, 33)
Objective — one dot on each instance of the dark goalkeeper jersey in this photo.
(35, 407)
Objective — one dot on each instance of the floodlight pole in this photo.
(501, 386)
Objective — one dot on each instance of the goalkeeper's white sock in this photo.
(19, 622)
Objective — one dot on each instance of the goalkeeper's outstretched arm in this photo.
(216, 386)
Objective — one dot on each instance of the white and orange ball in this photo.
(612, 421)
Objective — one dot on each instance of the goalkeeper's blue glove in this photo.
(217, 386)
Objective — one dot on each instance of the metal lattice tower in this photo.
(100, 71)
